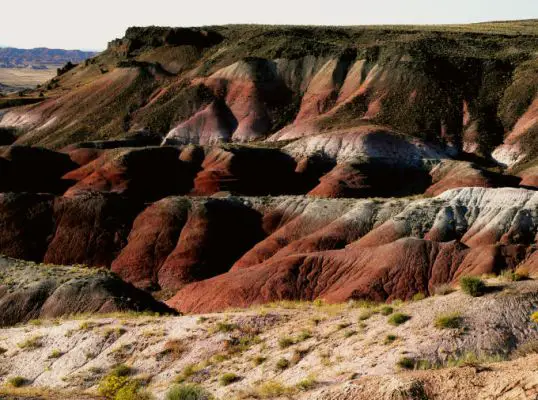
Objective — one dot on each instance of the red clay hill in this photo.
(225, 166)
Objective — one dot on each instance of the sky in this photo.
(91, 24)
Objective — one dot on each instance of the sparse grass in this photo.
(448, 321)
(225, 327)
(443, 289)
(472, 285)
(363, 304)
(228, 378)
(398, 319)
(285, 342)
(218, 358)
(282, 364)
(390, 338)
(237, 345)
(188, 372)
(424, 365)
(270, 389)
(304, 335)
(32, 343)
(174, 348)
(188, 392)
(386, 310)
(307, 383)
(114, 332)
(530, 347)
(86, 326)
(472, 359)
(298, 355)
(419, 296)
(325, 358)
(17, 381)
(366, 314)
(520, 274)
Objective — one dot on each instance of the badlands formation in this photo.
(290, 175)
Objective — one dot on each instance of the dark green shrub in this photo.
(17, 381)
(282, 364)
(472, 285)
(406, 363)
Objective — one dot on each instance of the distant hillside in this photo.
(12, 57)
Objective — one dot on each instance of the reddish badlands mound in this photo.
(234, 165)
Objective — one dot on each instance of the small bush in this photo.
(17, 381)
(2, 351)
(386, 310)
(188, 392)
(419, 296)
(285, 342)
(133, 391)
(398, 319)
(448, 321)
(472, 285)
(115, 380)
(443, 289)
(406, 363)
(282, 364)
(534, 317)
(259, 360)
(350, 333)
(228, 378)
(110, 385)
(55, 354)
(390, 339)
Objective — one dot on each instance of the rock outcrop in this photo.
(32, 291)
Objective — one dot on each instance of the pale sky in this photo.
(90, 24)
